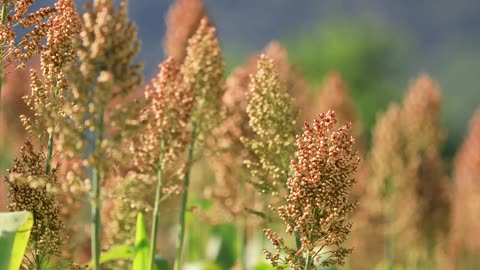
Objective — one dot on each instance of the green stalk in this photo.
(48, 167)
(95, 199)
(307, 262)
(4, 19)
(389, 216)
(242, 234)
(243, 244)
(158, 196)
(186, 184)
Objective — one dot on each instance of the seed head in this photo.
(183, 19)
(465, 202)
(203, 71)
(317, 203)
(166, 118)
(272, 118)
(29, 189)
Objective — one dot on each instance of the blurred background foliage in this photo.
(377, 46)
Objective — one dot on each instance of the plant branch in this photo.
(158, 197)
(95, 198)
(186, 184)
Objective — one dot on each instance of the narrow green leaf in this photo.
(14, 233)
(162, 263)
(123, 252)
(264, 266)
(21, 241)
(142, 247)
(117, 253)
(226, 255)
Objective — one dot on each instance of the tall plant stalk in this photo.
(48, 166)
(242, 238)
(183, 209)
(3, 20)
(307, 261)
(158, 197)
(95, 199)
(389, 251)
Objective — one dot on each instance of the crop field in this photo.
(210, 165)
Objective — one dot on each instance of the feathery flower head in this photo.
(272, 118)
(59, 49)
(30, 190)
(166, 117)
(106, 48)
(385, 157)
(183, 19)
(294, 81)
(47, 97)
(230, 192)
(17, 15)
(408, 187)
(421, 108)
(203, 71)
(334, 95)
(465, 204)
(423, 140)
(317, 204)
(128, 197)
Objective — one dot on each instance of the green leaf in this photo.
(123, 252)
(117, 253)
(226, 256)
(162, 263)
(264, 266)
(142, 247)
(15, 231)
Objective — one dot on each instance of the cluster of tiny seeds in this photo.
(165, 134)
(334, 95)
(203, 72)
(59, 49)
(230, 193)
(106, 48)
(465, 195)
(31, 43)
(183, 19)
(46, 99)
(128, 197)
(408, 181)
(272, 117)
(295, 83)
(29, 191)
(424, 136)
(317, 204)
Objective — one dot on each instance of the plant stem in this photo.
(243, 232)
(298, 242)
(4, 19)
(307, 261)
(186, 184)
(158, 196)
(389, 217)
(95, 198)
(48, 167)
(243, 244)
